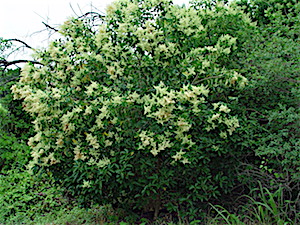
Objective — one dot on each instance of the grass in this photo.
(269, 209)
(265, 208)
(35, 201)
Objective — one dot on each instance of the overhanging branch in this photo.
(5, 63)
(22, 42)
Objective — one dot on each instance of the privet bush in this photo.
(137, 113)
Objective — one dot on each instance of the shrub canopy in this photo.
(139, 111)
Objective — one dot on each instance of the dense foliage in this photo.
(138, 112)
(15, 125)
(272, 98)
(21, 194)
(161, 108)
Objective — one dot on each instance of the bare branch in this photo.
(73, 9)
(5, 63)
(24, 43)
(48, 26)
(95, 14)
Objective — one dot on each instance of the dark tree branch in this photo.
(6, 63)
(24, 43)
(48, 26)
(94, 14)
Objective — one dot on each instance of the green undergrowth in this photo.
(261, 207)
(33, 199)
(249, 176)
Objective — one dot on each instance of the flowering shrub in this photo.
(136, 113)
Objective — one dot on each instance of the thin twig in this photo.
(91, 13)
(250, 109)
(206, 78)
(48, 26)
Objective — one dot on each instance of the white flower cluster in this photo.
(90, 83)
(222, 117)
